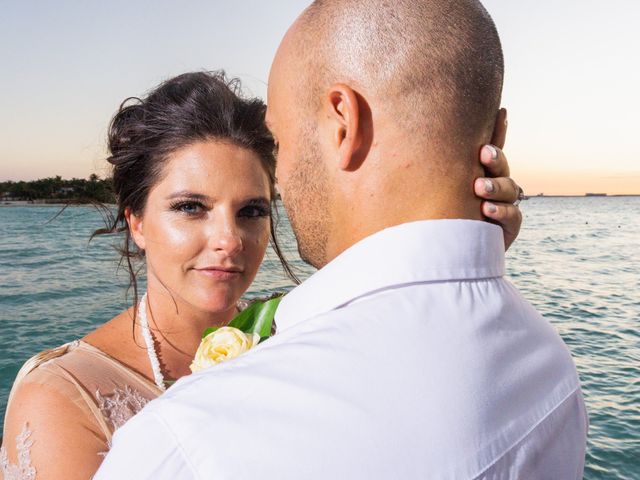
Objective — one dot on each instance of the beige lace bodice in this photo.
(98, 393)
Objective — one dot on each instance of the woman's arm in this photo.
(49, 435)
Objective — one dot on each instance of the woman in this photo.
(193, 172)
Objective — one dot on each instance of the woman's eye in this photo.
(188, 208)
(255, 211)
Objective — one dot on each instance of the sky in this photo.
(571, 84)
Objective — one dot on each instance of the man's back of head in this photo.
(393, 99)
(437, 64)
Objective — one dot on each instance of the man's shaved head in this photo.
(380, 108)
(438, 62)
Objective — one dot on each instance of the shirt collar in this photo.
(416, 252)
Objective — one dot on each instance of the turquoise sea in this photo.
(577, 260)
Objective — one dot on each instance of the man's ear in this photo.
(344, 114)
(135, 228)
(500, 129)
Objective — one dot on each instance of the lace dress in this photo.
(103, 393)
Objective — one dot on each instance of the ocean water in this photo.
(577, 260)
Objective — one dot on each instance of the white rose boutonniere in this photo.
(244, 332)
(221, 345)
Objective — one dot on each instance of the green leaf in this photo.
(256, 318)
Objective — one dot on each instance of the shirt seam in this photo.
(528, 432)
(178, 444)
(416, 283)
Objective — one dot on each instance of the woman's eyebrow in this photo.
(258, 201)
(188, 194)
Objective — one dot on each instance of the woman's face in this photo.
(205, 226)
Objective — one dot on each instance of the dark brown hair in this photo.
(183, 110)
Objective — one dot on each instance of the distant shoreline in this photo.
(47, 203)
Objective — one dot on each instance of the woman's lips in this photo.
(220, 273)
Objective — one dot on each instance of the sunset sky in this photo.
(571, 87)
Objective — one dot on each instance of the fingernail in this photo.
(491, 208)
(493, 151)
(489, 187)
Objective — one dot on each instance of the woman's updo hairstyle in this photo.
(189, 108)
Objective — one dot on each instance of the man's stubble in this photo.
(306, 200)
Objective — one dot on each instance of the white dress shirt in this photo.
(407, 357)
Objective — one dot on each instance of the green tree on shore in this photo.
(77, 190)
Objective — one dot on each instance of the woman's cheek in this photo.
(258, 241)
(181, 236)
(175, 238)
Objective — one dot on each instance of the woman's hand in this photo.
(498, 190)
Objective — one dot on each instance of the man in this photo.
(408, 355)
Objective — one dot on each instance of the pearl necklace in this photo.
(148, 340)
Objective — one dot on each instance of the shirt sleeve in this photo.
(145, 448)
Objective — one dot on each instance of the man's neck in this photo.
(398, 206)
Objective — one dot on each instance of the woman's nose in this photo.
(226, 238)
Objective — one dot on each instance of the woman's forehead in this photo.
(213, 167)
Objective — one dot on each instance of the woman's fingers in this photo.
(494, 161)
(498, 190)
(502, 189)
(507, 216)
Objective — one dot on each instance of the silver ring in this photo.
(521, 196)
